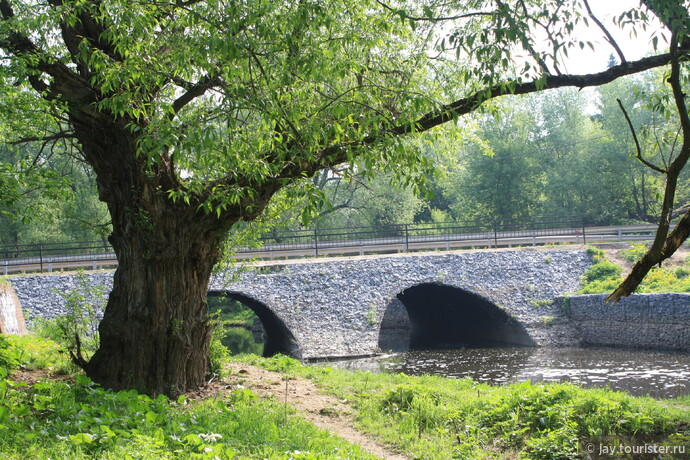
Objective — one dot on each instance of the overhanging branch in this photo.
(609, 37)
(53, 137)
(470, 103)
(335, 154)
(466, 105)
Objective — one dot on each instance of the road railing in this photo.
(285, 244)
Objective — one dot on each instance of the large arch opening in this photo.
(266, 327)
(433, 315)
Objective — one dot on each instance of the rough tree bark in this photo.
(155, 333)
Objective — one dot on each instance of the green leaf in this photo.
(193, 439)
(83, 380)
(107, 431)
(81, 438)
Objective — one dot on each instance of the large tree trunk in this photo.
(155, 333)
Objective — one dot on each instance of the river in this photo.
(639, 373)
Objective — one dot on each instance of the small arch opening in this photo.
(433, 315)
(264, 333)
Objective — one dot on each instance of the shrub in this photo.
(635, 252)
(682, 272)
(597, 255)
(603, 276)
(601, 271)
(599, 287)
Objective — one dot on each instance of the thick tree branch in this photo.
(463, 106)
(671, 243)
(87, 27)
(19, 44)
(194, 91)
(72, 87)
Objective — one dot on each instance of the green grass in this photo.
(436, 418)
(427, 417)
(35, 352)
(78, 420)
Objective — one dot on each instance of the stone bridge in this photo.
(358, 307)
(361, 306)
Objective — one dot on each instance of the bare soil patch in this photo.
(325, 411)
(616, 254)
(32, 376)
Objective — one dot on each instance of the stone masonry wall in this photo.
(334, 308)
(657, 321)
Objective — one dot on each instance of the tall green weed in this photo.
(635, 252)
(77, 328)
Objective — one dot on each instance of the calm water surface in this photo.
(640, 373)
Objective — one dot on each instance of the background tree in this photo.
(48, 200)
(194, 114)
(497, 179)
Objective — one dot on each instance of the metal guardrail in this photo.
(347, 241)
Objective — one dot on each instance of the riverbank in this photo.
(48, 410)
(430, 417)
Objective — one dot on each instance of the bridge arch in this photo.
(277, 336)
(435, 315)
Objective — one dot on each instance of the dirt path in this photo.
(326, 412)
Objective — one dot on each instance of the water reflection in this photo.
(640, 373)
(240, 340)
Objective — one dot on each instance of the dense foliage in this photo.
(74, 419)
(551, 154)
